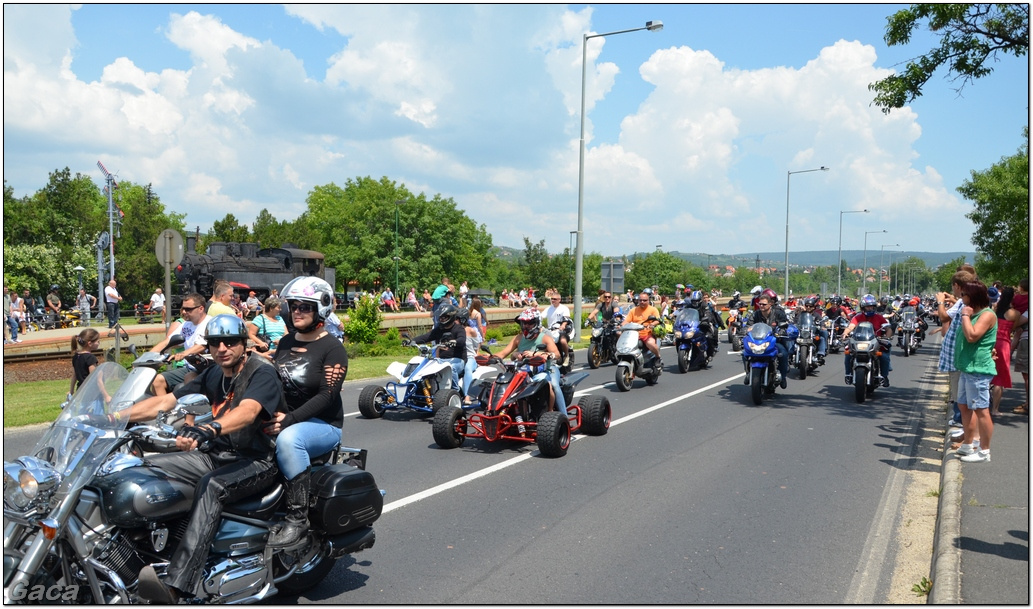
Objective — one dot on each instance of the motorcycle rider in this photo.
(640, 314)
(736, 302)
(605, 308)
(767, 312)
(228, 459)
(867, 305)
(451, 336)
(556, 313)
(810, 305)
(527, 342)
(707, 315)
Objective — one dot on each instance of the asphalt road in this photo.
(694, 496)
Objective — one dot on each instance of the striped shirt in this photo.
(946, 363)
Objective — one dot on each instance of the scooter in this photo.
(634, 359)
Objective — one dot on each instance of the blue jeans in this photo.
(298, 443)
(471, 365)
(458, 366)
(823, 341)
(554, 380)
(884, 364)
(12, 323)
(783, 358)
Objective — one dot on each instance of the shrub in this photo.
(365, 323)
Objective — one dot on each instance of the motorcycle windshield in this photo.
(864, 331)
(628, 341)
(687, 317)
(907, 314)
(760, 331)
(83, 435)
(805, 321)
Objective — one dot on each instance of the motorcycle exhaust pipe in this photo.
(352, 542)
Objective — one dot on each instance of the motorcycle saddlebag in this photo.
(344, 498)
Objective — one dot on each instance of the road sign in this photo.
(169, 248)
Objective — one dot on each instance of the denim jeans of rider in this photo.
(298, 443)
(458, 366)
(219, 479)
(554, 380)
(884, 364)
(823, 341)
(783, 358)
(471, 366)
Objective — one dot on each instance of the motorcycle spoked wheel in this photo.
(315, 565)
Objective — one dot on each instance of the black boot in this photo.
(295, 527)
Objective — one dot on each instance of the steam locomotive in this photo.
(246, 267)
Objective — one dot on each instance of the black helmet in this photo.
(447, 314)
(463, 315)
(810, 302)
(226, 326)
(54, 287)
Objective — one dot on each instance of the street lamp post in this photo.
(579, 262)
(839, 267)
(864, 265)
(79, 271)
(789, 175)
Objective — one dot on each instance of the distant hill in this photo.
(853, 258)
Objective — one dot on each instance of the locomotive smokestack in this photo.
(191, 245)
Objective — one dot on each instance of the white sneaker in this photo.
(955, 432)
(968, 449)
(977, 457)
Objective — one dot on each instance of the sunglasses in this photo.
(213, 343)
(607, 297)
(302, 307)
(191, 308)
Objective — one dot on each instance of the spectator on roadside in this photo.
(158, 304)
(478, 314)
(10, 323)
(85, 302)
(268, 327)
(428, 302)
(948, 307)
(18, 311)
(254, 306)
(28, 309)
(83, 359)
(413, 301)
(53, 304)
(387, 298)
(222, 298)
(111, 301)
(1002, 380)
(192, 329)
(974, 343)
(239, 308)
(1019, 315)
(463, 291)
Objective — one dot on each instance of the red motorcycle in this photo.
(516, 407)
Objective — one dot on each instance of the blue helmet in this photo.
(867, 305)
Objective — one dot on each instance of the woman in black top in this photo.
(83, 359)
(312, 365)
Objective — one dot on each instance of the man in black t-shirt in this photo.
(446, 332)
(229, 459)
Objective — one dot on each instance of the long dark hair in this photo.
(1007, 295)
(84, 337)
(978, 299)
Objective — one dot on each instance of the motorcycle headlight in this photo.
(758, 347)
(597, 332)
(677, 333)
(29, 482)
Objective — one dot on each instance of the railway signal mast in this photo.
(110, 187)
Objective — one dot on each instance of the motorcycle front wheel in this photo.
(595, 355)
(757, 385)
(860, 385)
(804, 357)
(683, 360)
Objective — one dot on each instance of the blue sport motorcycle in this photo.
(690, 340)
(760, 359)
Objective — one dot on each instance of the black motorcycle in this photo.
(84, 513)
(602, 347)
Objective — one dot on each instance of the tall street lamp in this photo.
(789, 174)
(864, 265)
(579, 263)
(881, 268)
(839, 267)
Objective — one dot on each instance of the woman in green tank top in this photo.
(973, 357)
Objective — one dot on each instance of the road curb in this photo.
(946, 567)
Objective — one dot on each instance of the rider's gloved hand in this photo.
(197, 434)
(98, 420)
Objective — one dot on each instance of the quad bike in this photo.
(516, 408)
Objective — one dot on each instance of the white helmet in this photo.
(313, 290)
(756, 290)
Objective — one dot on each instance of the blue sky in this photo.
(691, 130)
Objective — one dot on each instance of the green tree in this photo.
(229, 229)
(661, 269)
(1000, 195)
(971, 36)
(942, 276)
(136, 267)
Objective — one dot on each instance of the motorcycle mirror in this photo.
(194, 403)
(485, 349)
(175, 341)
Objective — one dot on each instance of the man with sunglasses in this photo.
(228, 459)
(773, 316)
(193, 332)
(606, 307)
(556, 313)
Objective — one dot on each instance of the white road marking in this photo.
(394, 505)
